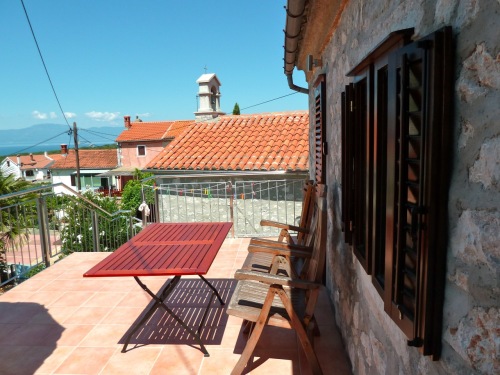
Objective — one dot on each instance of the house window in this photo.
(73, 180)
(395, 142)
(8, 163)
(29, 173)
(141, 150)
(320, 146)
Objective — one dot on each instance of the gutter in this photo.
(295, 12)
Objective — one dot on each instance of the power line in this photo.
(270, 100)
(39, 143)
(45, 66)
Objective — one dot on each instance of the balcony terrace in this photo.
(58, 322)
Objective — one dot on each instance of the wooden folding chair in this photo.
(305, 217)
(270, 255)
(288, 302)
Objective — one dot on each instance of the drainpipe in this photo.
(295, 12)
(294, 86)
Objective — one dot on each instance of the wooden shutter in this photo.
(355, 169)
(360, 157)
(417, 149)
(320, 147)
(347, 162)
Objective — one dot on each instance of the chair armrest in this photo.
(275, 279)
(276, 224)
(277, 244)
(280, 251)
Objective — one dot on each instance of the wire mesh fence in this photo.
(245, 203)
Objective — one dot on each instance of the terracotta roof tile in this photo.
(274, 141)
(153, 130)
(89, 159)
(33, 161)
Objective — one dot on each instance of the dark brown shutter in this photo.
(418, 127)
(320, 147)
(347, 162)
(360, 156)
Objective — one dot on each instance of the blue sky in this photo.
(110, 58)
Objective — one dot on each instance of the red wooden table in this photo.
(173, 249)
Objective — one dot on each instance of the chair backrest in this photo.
(314, 267)
(307, 210)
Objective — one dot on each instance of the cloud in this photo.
(147, 114)
(70, 114)
(52, 115)
(102, 116)
(39, 115)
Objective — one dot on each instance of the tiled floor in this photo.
(61, 323)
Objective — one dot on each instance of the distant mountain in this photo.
(58, 134)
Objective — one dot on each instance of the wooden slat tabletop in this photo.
(165, 249)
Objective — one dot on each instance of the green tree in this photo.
(132, 192)
(236, 109)
(78, 232)
(12, 227)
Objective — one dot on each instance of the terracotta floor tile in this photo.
(33, 335)
(73, 334)
(122, 315)
(53, 314)
(72, 299)
(141, 360)
(80, 329)
(105, 335)
(18, 360)
(78, 361)
(46, 298)
(104, 299)
(86, 315)
(54, 360)
(179, 360)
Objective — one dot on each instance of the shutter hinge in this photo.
(417, 341)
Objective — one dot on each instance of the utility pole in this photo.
(75, 135)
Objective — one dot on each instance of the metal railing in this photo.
(38, 227)
(245, 203)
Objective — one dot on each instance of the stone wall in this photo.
(471, 318)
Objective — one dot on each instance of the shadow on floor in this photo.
(188, 301)
(28, 337)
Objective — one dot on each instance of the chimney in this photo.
(18, 160)
(64, 149)
(126, 120)
(31, 157)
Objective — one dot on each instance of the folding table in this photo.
(167, 249)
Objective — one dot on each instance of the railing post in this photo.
(43, 229)
(157, 205)
(231, 206)
(95, 230)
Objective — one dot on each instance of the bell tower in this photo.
(209, 97)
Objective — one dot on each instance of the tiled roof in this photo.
(153, 131)
(263, 142)
(89, 159)
(33, 161)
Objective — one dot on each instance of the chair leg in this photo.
(256, 332)
(296, 324)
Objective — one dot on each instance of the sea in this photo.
(51, 148)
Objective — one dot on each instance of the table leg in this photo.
(159, 302)
(213, 289)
